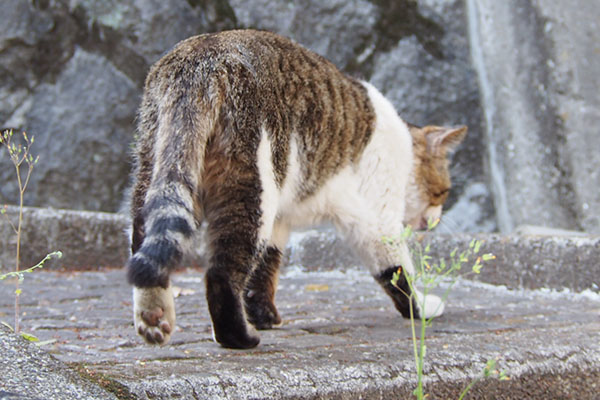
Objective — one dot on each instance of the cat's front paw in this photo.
(154, 314)
(430, 306)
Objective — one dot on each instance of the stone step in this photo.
(341, 339)
(341, 336)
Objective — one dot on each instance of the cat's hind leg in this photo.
(233, 224)
(259, 295)
(260, 292)
(153, 308)
(241, 206)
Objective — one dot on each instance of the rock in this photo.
(72, 75)
(573, 63)
(83, 141)
(520, 75)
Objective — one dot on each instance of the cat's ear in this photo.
(443, 139)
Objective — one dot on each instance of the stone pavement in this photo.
(341, 339)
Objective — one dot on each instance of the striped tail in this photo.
(169, 216)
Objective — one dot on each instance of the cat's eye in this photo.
(438, 198)
(441, 193)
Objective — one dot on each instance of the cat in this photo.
(257, 136)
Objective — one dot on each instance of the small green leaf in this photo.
(432, 223)
(29, 337)
(488, 257)
(18, 292)
(490, 367)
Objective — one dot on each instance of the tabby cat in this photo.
(256, 135)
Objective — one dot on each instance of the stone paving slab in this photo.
(341, 338)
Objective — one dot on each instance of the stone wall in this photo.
(537, 63)
(519, 73)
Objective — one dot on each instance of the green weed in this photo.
(430, 274)
(23, 162)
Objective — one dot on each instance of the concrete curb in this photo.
(522, 261)
(88, 240)
(91, 240)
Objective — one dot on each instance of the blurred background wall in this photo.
(523, 75)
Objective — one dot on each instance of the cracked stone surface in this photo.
(341, 338)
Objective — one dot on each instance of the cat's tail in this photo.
(171, 212)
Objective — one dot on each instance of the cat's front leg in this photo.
(154, 313)
(429, 306)
(426, 306)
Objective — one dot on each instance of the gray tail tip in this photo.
(143, 274)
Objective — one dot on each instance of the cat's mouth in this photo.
(418, 223)
(428, 219)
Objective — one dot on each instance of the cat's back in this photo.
(266, 81)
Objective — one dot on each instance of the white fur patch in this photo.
(430, 306)
(269, 198)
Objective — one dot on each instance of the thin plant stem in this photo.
(18, 155)
(469, 386)
(419, 391)
(18, 255)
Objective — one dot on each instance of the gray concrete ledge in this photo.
(341, 339)
(88, 240)
(522, 261)
(91, 240)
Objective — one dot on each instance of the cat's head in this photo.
(430, 180)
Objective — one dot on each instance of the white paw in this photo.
(430, 306)
(154, 314)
